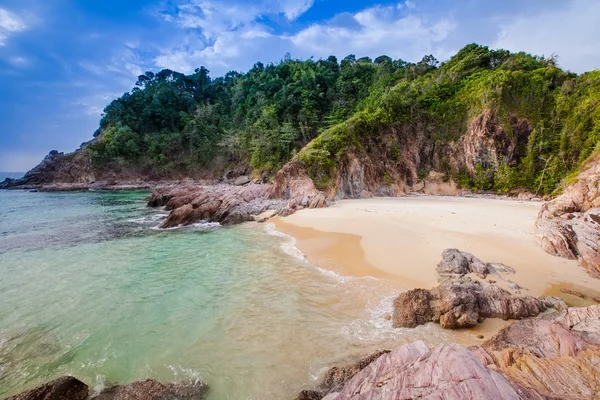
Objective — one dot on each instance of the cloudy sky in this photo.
(62, 61)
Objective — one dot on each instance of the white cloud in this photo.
(571, 31)
(377, 30)
(19, 62)
(10, 23)
(292, 9)
(224, 36)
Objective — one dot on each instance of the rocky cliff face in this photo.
(569, 225)
(410, 157)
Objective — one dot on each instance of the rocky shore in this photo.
(553, 356)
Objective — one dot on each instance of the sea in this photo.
(91, 287)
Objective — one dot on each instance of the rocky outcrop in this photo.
(56, 167)
(291, 190)
(463, 304)
(569, 225)
(219, 203)
(555, 356)
(552, 357)
(461, 301)
(69, 388)
(295, 188)
(414, 371)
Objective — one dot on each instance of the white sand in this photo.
(404, 238)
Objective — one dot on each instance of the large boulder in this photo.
(412, 308)
(462, 302)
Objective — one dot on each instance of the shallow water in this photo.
(90, 287)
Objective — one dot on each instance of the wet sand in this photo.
(401, 240)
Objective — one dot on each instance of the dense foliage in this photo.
(171, 121)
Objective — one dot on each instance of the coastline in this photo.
(401, 240)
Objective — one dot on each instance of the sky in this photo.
(63, 61)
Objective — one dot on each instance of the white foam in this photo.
(288, 245)
(99, 386)
(152, 218)
(376, 328)
(197, 226)
(182, 373)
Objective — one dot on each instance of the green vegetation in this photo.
(322, 110)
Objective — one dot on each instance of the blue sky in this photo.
(62, 61)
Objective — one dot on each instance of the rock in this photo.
(242, 180)
(572, 292)
(550, 357)
(387, 317)
(310, 395)
(292, 185)
(63, 388)
(554, 356)
(456, 262)
(569, 225)
(596, 299)
(412, 308)
(413, 371)
(153, 390)
(219, 203)
(265, 215)
(461, 302)
(554, 302)
(337, 376)
(453, 262)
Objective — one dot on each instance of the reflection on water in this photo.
(89, 287)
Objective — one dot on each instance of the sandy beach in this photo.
(401, 239)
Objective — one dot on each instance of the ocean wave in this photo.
(288, 245)
(149, 219)
(378, 326)
(197, 226)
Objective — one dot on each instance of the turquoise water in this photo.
(90, 287)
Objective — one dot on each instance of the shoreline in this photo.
(401, 240)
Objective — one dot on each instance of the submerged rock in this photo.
(63, 388)
(153, 390)
(69, 388)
